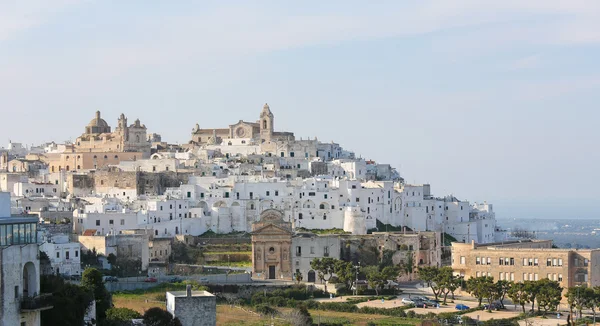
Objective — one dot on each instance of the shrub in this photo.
(266, 310)
(411, 314)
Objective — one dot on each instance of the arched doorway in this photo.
(29, 280)
(311, 276)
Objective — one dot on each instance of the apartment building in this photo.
(527, 260)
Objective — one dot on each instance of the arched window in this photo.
(78, 167)
(105, 156)
(322, 206)
(67, 168)
(116, 156)
(264, 124)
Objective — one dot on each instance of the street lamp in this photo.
(356, 281)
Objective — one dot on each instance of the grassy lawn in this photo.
(227, 315)
(230, 264)
(249, 253)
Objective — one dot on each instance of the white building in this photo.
(307, 246)
(64, 255)
(20, 270)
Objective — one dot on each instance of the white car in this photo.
(407, 301)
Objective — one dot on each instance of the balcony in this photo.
(37, 303)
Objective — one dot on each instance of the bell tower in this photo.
(266, 123)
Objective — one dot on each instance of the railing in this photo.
(37, 302)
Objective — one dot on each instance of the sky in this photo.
(491, 100)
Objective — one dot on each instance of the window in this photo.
(170, 206)
(16, 291)
(268, 193)
(58, 255)
(251, 206)
(76, 253)
(298, 251)
(227, 194)
(530, 263)
(554, 262)
(67, 255)
(560, 277)
(512, 276)
(122, 221)
(325, 196)
(272, 250)
(97, 222)
(524, 261)
(189, 194)
(512, 261)
(489, 260)
(357, 199)
(111, 222)
(560, 262)
(501, 261)
(326, 251)
(311, 193)
(524, 276)
(549, 262)
(535, 262)
(299, 216)
(251, 195)
(276, 193)
(179, 206)
(535, 276)
(477, 274)
(462, 260)
(477, 261)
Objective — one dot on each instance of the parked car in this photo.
(407, 301)
(493, 306)
(461, 306)
(110, 279)
(150, 280)
(431, 303)
(204, 280)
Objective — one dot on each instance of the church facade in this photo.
(260, 132)
(271, 246)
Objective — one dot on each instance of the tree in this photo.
(70, 302)
(549, 294)
(45, 265)
(160, 317)
(300, 317)
(345, 272)
(112, 259)
(430, 276)
(325, 268)
(408, 267)
(518, 294)
(378, 279)
(298, 277)
(90, 257)
(481, 288)
(532, 288)
(91, 280)
(447, 282)
(386, 258)
(502, 287)
(121, 316)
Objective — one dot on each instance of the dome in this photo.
(97, 125)
(97, 121)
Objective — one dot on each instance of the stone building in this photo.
(527, 260)
(309, 246)
(99, 138)
(131, 244)
(193, 308)
(271, 246)
(260, 132)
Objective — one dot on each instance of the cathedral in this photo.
(259, 132)
(99, 138)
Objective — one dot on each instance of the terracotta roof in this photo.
(89, 232)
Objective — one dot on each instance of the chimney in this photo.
(188, 290)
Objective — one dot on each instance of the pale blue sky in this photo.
(486, 100)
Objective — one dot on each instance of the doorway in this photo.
(271, 272)
(311, 276)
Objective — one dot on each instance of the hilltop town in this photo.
(246, 200)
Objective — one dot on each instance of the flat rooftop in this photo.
(18, 220)
(178, 294)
